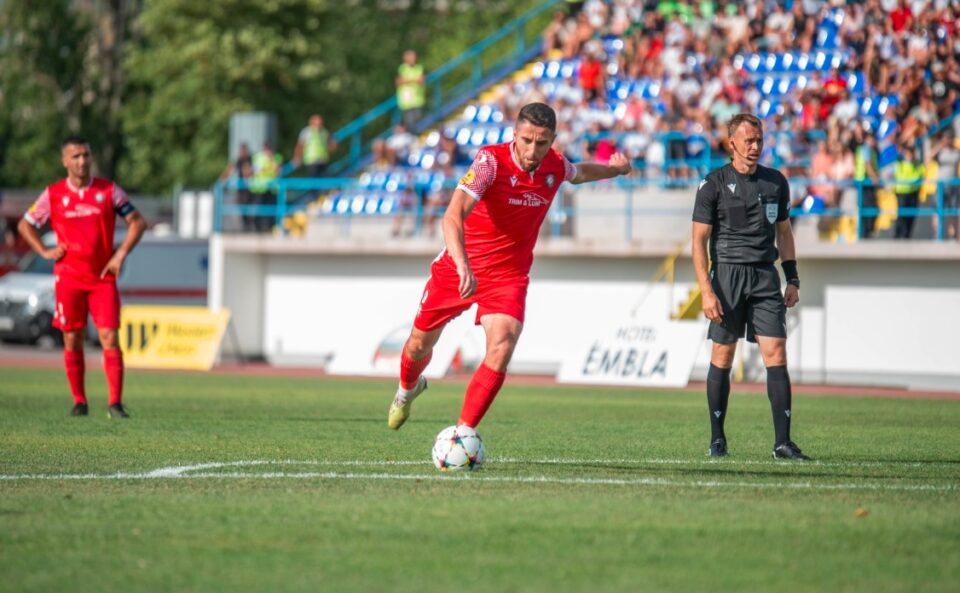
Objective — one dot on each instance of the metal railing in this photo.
(940, 204)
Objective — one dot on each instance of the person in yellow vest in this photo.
(411, 89)
(314, 147)
(866, 172)
(907, 178)
(266, 169)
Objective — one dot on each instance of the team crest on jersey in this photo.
(513, 180)
(98, 197)
(66, 201)
(772, 211)
(468, 178)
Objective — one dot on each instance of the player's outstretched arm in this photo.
(461, 204)
(586, 172)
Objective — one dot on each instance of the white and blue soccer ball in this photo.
(458, 448)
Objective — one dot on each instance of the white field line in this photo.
(195, 471)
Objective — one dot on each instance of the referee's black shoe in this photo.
(718, 448)
(117, 411)
(789, 450)
(79, 410)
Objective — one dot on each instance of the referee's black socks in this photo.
(718, 394)
(778, 390)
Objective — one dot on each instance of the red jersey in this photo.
(501, 231)
(83, 220)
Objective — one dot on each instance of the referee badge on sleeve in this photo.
(772, 211)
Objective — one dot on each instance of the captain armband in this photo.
(790, 272)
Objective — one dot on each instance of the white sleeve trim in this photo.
(468, 191)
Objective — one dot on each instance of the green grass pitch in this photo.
(230, 483)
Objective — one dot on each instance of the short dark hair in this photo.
(75, 140)
(742, 118)
(539, 114)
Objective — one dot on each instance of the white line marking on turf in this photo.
(191, 472)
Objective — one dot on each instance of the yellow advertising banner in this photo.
(167, 337)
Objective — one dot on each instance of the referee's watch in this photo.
(794, 282)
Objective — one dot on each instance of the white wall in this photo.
(869, 314)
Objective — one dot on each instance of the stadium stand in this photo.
(822, 76)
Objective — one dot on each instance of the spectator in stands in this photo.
(380, 156)
(408, 206)
(265, 171)
(867, 177)
(597, 146)
(400, 144)
(582, 33)
(592, 76)
(908, 177)
(241, 169)
(947, 154)
(411, 89)
(438, 197)
(556, 33)
(821, 165)
(314, 147)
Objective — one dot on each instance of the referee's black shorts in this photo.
(751, 300)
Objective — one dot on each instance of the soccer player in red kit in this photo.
(489, 230)
(82, 212)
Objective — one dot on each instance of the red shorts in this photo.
(441, 300)
(75, 299)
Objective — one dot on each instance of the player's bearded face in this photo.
(76, 159)
(531, 144)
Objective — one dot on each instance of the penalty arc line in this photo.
(191, 472)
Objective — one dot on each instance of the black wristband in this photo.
(790, 271)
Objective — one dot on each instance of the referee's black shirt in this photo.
(743, 210)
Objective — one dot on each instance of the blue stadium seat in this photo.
(885, 129)
(812, 205)
(387, 205)
(856, 82)
(612, 45)
(569, 68)
(888, 154)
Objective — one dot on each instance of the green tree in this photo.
(199, 62)
(60, 74)
(153, 83)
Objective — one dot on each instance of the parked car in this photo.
(161, 271)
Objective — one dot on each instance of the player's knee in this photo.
(73, 340)
(500, 352)
(417, 347)
(722, 355)
(109, 339)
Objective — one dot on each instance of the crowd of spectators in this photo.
(843, 88)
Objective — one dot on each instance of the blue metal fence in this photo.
(941, 204)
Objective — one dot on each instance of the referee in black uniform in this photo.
(743, 210)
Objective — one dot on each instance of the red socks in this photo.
(481, 391)
(113, 369)
(74, 364)
(410, 370)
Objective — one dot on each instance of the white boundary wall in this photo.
(874, 313)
